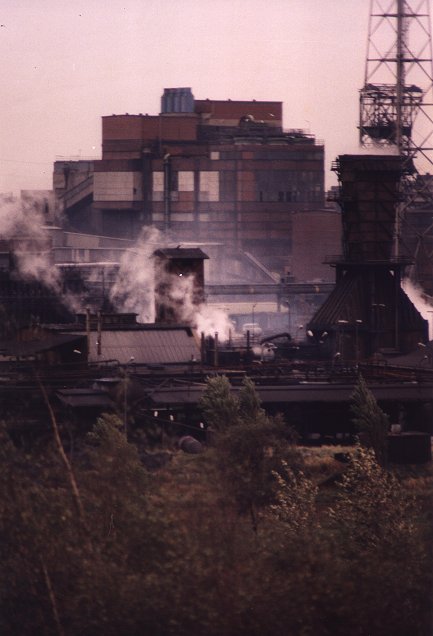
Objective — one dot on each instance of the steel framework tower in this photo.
(396, 101)
(396, 114)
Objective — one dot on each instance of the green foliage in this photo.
(220, 407)
(168, 553)
(114, 468)
(46, 558)
(374, 528)
(295, 499)
(247, 456)
(249, 402)
(370, 420)
(250, 449)
(369, 508)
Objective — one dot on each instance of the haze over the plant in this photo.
(65, 64)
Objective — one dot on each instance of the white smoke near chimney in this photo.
(22, 226)
(137, 284)
(33, 260)
(419, 299)
(133, 289)
(180, 295)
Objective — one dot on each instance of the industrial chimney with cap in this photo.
(178, 272)
(368, 312)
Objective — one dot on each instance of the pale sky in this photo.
(65, 64)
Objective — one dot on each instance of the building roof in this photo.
(77, 398)
(148, 346)
(303, 392)
(33, 347)
(172, 253)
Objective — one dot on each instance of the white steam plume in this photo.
(137, 282)
(133, 290)
(417, 297)
(22, 226)
(180, 294)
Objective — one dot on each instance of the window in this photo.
(157, 186)
(186, 181)
(158, 182)
(209, 185)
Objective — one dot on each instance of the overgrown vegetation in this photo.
(174, 552)
(370, 420)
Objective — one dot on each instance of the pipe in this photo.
(216, 350)
(88, 329)
(99, 340)
(166, 162)
(202, 348)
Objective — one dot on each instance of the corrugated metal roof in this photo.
(156, 346)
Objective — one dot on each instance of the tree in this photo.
(370, 507)
(220, 407)
(370, 420)
(249, 444)
(249, 402)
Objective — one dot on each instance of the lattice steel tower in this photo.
(396, 102)
(396, 113)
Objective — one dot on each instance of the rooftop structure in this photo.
(201, 170)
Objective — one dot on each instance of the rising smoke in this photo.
(137, 281)
(22, 227)
(133, 290)
(419, 299)
(180, 295)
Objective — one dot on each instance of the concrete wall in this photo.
(315, 236)
(117, 186)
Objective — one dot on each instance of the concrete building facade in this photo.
(200, 171)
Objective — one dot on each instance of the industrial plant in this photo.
(202, 242)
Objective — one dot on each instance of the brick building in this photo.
(202, 171)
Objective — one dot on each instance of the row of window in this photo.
(209, 188)
(183, 181)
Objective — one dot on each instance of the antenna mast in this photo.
(396, 115)
(396, 101)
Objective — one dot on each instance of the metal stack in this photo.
(368, 312)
